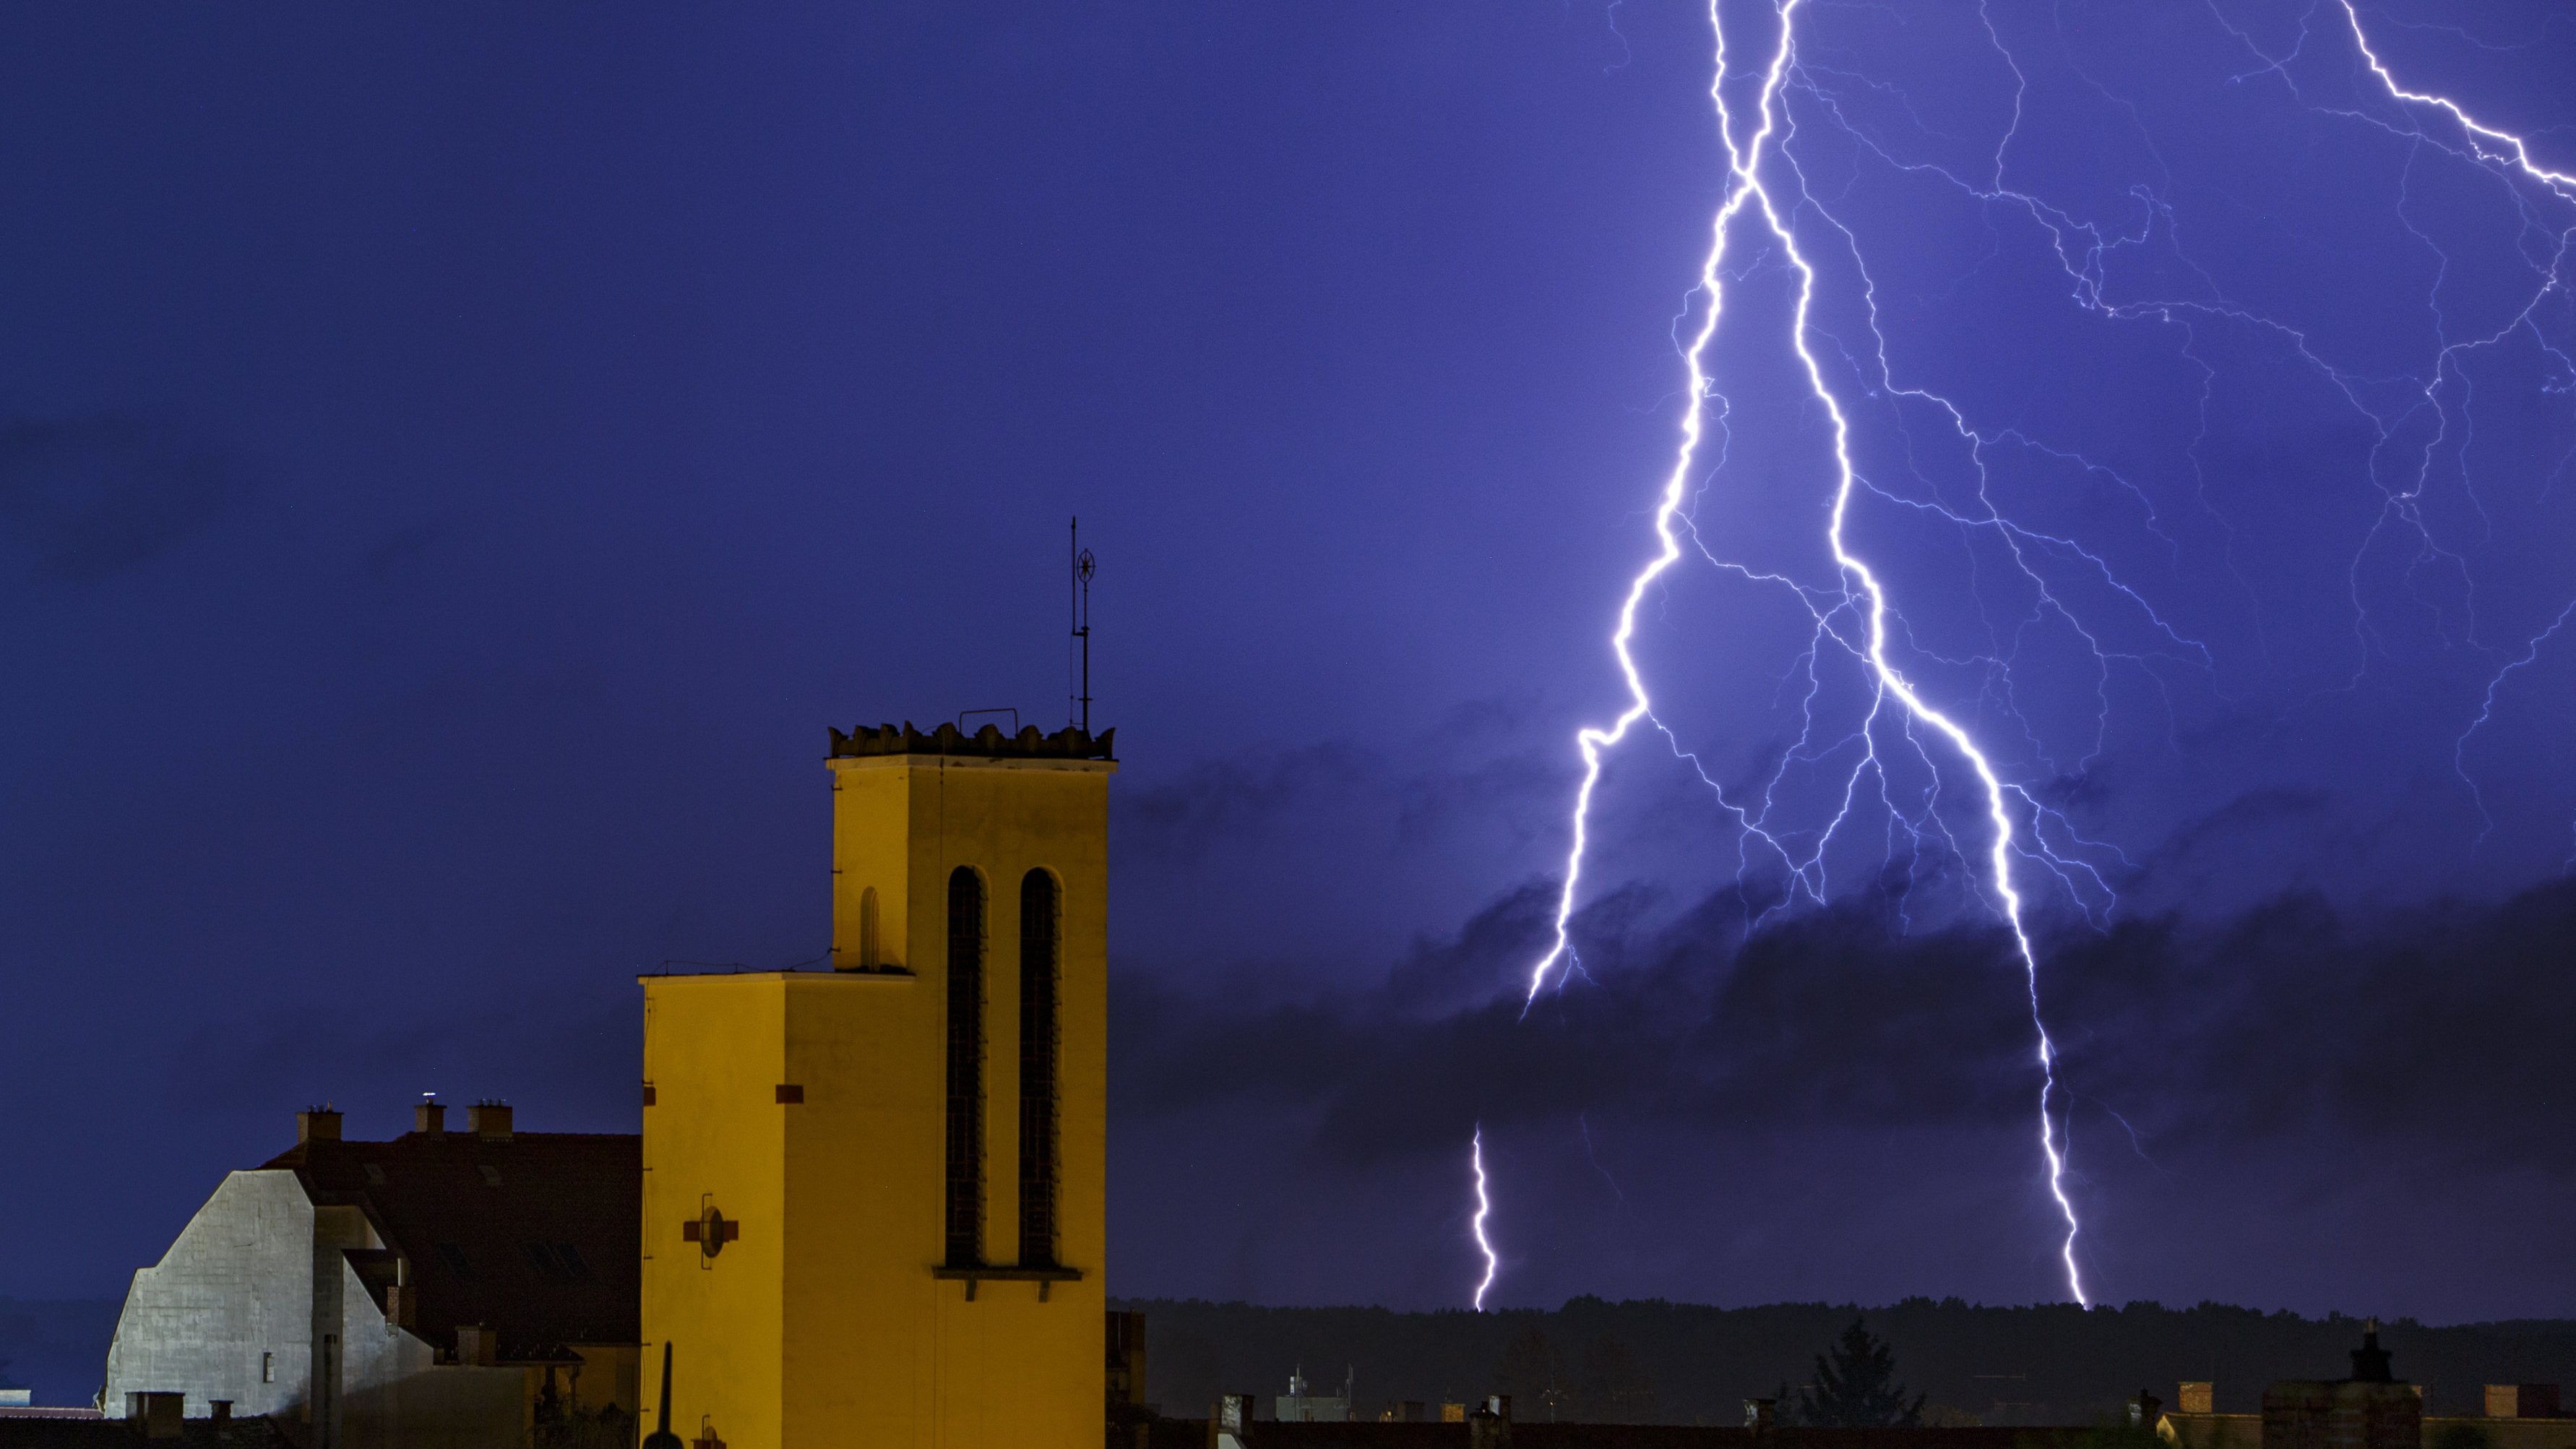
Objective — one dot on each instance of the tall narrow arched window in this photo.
(1039, 917)
(965, 1067)
(869, 960)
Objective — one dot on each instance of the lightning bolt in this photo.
(1765, 210)
(1584, 1125)
(1484, 1209)
(2508, 148)
(2020, 844)
(1854, 615)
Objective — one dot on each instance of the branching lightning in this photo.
(2508, 147)
(2509, 153)
(1484, 1208)
(1767, 209)
(1859, 600)
(2508, 157)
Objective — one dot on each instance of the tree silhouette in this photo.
(1855, 1388)
(1613, 1387)
(1528, 1371)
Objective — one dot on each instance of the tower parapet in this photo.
(1070, 743)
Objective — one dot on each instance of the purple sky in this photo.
(454, 465)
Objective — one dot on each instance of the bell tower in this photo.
(873, 1194)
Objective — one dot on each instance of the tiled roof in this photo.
(533, 1235)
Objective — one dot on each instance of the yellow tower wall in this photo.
(713, 1054)
(832, 1319)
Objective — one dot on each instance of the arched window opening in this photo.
(1039, 929)
(869, 960)
(965, 1067)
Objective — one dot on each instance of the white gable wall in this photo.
(260, 1271)
(237, 1285)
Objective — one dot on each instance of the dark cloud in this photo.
(1462, 773)
(1237, 793)
(1471, 795)
(2443, 1026)
(2440, 1026)
(2228, 824)
(1826, 1019)
(87, 498)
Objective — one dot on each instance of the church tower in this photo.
(873, 1195)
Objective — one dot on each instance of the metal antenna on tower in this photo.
(1083, 568)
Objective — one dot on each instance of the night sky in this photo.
(454, 464)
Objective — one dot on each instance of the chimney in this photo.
(317, 1124)
(2522, 1401)
(429, 1119)
(2196, 1396)
(1230, 1426)
(159, 1415)
(2146, 1411)
(489, 1121)
(221, 1412)
(475, 1344)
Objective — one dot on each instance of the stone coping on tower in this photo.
(1070, 743)
(809, 972)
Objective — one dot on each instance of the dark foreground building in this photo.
(2370, 1410)
(2373, 1409)
(1193, 1434)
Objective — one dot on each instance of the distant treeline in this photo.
(1654, 1361)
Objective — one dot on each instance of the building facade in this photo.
(438, 1289)
(874, 1198)
(1302, 1405)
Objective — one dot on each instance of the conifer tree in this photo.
(1856, 1388)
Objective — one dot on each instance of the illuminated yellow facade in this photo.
(873, 1195)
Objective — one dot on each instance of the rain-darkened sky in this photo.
(455, 462)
